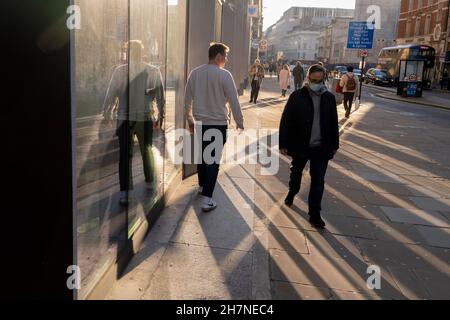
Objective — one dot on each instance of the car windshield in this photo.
(381, 73)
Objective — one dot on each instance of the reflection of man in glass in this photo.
(135, 113)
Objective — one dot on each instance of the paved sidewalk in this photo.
(387, 203)
(430, 98)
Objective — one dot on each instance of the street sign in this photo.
(363, 53)
(359, 35)
(253, 11)
(263, 45)
(412, 77)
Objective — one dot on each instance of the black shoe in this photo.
(289, 201)
(250, 101)
(255, 101)
(317, 222)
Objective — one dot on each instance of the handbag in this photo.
(339, 88)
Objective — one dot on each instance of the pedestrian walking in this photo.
(299, 75)
(279, 67)
(309, 132)
(285, 80)
(350, 84)
(444, 80)
(130, 104)
(208, 90)
(272, 69)
(256, 75)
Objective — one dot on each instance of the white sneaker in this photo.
(123, 199)
(208, 207)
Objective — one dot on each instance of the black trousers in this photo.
(208, 171)
(298, 84)
(318, 164)
(348, 101)
(126, 130)
(255, 91)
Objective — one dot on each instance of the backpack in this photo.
(351, 83)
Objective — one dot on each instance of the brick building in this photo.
(425, 22)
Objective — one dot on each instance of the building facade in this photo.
(386, 34)
(256, 31)
(296, 33)
(333, 43)
(425, 22)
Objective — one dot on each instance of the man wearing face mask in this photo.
(309, 132)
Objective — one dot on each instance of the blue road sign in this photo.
(360, 36)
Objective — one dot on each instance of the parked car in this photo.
(358, 73)
(379, 77)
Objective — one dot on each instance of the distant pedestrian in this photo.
(209, 88)
(309, 132)
(278, 69)
(285, 80)
(272, 69)
(349, 83)
(299, 75)
(256, 75)
(444, 80)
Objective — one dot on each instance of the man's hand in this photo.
(284, 152)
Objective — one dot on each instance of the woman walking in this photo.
(285, 80)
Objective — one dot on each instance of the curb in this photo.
(438, 106)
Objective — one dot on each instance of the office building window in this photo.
(417, 28)
(427, 24)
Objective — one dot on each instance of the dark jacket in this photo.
(299, 74)
(297, 120)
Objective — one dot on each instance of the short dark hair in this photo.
(350, 69)
(215, 48)
(316, 68)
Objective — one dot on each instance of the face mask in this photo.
(316, 87)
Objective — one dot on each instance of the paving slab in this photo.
(293, 291)
(199, 273)
(350, 226)
(317, 271)
(432, 204)
(409, 283)
(437, 237)
(415, 216)
(397, 232)
(325, 244)
(287, 239)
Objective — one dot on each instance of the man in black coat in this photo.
(299, 75)
(309, 131)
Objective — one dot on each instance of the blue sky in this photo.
(273, 9)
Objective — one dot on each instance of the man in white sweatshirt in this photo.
(208, 91)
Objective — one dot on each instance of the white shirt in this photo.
(208, 90)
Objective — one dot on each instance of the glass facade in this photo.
(129, 81)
